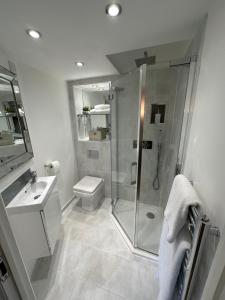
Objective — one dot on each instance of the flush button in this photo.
(93, 154)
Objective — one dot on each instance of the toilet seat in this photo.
(90, 190)
(88, 184)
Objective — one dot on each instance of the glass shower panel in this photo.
(165, 92)
(124, 129)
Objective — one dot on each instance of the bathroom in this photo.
(94, 130)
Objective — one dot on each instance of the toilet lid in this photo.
(88, 184)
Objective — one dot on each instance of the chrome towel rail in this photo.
(199, 226)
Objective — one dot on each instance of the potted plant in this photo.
(86, 110)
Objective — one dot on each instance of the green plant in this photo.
(86, 108)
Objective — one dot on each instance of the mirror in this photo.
(92, 103)
(15, 145)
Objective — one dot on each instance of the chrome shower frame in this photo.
(133, 245)
(142, 100)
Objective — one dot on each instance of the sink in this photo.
(35, 190)
(33, 196)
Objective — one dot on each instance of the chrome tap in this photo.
(33, 177)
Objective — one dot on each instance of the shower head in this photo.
(148, 60)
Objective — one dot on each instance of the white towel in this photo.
(170, 259)
(182, 196)
(100, 111)
(102, 106)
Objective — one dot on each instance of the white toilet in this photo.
(90, 190)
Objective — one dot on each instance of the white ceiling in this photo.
(80, 30)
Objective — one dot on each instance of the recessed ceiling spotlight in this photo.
(113, 9)
(94, 86)
(79, 64)
(34, 34)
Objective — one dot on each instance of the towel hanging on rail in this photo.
(170, 259)
(182, 196)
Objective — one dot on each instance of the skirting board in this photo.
(68, 203)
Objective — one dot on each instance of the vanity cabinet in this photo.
(36, 231)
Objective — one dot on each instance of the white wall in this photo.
(47, 112)
(205, 161)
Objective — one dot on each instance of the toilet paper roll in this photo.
(53, 167)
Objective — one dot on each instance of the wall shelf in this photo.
(88, 141)
(95, 114)
(8, 115)
(99, 114)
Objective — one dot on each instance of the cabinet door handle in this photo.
(133, 166)
(45, 230)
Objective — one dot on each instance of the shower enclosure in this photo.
(146, 126)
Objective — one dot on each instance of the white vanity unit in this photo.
(35, 216)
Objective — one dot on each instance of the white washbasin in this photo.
(33, 196)
(34, 191)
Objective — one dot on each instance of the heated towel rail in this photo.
(199, 226)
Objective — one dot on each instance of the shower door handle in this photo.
(133, 172)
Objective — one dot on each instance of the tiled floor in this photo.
(92, 262)
(148, 230)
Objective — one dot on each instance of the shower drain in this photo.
(150, 215)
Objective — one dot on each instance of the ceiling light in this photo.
(79, 64)
(34, 34)
(113, 10)
(94, 86)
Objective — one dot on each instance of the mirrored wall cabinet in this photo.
(15, 144)
(92, 102)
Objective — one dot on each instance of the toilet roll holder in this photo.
(48, 165)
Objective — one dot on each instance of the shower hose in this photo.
(156, 182)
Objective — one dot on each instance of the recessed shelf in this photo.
(87, 140)
(95, 114)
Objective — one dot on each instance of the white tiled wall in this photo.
(100, 167)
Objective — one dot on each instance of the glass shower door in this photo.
(124, 130)
(146, 120)
(163, 94)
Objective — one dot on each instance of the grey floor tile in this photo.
(92, 261)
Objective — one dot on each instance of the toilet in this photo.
(90, 190)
